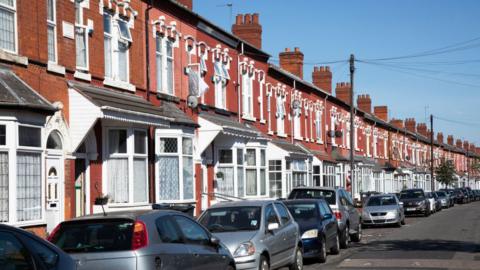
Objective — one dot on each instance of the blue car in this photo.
(318, 227)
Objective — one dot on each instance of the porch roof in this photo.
(295, 150)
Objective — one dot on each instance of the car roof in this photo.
(131, 214)
(242, 203)
(316, 188)
(294, 201)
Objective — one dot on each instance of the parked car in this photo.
(141, 239)
(444, 199)
(259, 234)
(415, 202)
(462, 197)
(438, 203)
(451, 195)
(20, 249)
(318, 227)
(471, 196)
(383, 209)
(341, 203)
(432, 202)
(477, 194)
(365, 195)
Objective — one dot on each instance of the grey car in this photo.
(259, 234)
(20, 249)
(382, 210)
(142, 239)
(341, 203)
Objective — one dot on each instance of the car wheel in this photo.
(344, 237)
(263, 263)
(403, 221)
(356, 237)
(323, 251)
(230, 267)
(336, 247)
(298, 262)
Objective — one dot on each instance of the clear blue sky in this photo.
(331, 30)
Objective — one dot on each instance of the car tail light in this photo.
(52, 234)
(338, 215)
(140, 236)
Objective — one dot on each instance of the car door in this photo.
(14, 254)
(288, 230)
(205, 255)
(273, 239)
(328, 224)
(353, 214)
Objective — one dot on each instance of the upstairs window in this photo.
(81, 39)
(220, 80)
(318, 125)
(52, 31)
(164, 59)
(7, 25)
(247, 93)
(117, 39)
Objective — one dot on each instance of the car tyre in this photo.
(356, 237)
(403, 221)
(230, 267)
(298, 262)
(336, 247)
(323, 251)
(264, 265)
(344, 238)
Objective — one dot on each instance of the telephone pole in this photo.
(352, 112)
(432, 182)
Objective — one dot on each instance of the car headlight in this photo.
(392, 214)
(420, 203)
(366, 214)
(245, 249)
(444, 200)
(310, 234)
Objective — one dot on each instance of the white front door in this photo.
(54, 192)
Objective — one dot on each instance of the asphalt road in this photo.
(449, 239)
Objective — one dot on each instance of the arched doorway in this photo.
(55, 180)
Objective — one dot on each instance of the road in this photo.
(449, 239)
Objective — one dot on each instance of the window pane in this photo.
(192, 232)
(275, 180)
(187, 178)
(107, 46)
(167, 230)
(7, 2)
(122, 61)
(107, 23)
(224, 180)
(283, 212)
(51, 43)
(250, 157)
(117, 141)
(81, 47)
(140, 142)
(3, 135)
(169, 48)
(240, 156)
(50, 10)
(262, 157)
(275, 165)
(240, 182)
(14, 254)
(124, 30)
(7, 28)
(118, 180)
(168, 175)
(187, 147)
(170, 75)
(168, 145)
(29, 186)
(251, 175)
(226, 156)
(29, 136)
(4, 187)
(263, 182)
(140, 191)
(54, 141)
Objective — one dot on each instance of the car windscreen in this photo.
(303, 211)
(441, 194)
(381, 200)
(412, 194)
(328, 195)
(94, 236)
(232, 219)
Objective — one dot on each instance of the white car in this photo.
(431, 199)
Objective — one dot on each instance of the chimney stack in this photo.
(248, 28)
(364, 103)
(466, 145)
(322, 78)
(472, 148)
(422, 129)
(186, 3)
(398, 123)
(343, 91)
(411, 125)
(381, 112)
(292, 61)
(451, 140)
(440, 137)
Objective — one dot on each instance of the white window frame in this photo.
(247, 94)
(53, 24)
(220, 82)
(178, 134)
(280, 117)
(162, 84)
(116, 38)
(231, 165)
(318, 126)
(261, 86)
(276, 180)
(130, 155)
(297, 125)
(80, 24)
(12, 9)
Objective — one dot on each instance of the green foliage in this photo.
(445, 172)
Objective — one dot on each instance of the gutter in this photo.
(147, 47)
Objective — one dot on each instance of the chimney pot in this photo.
(297, 49)
(255, 18)
(248, 18)
(239, 19)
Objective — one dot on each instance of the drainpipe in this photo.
(147, 46)
(324, 123)
(238, 83)
(292, 131)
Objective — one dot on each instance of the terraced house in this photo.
(148, 102)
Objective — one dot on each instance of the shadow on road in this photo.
(423, 245)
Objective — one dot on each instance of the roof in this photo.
(295, 150)
(103, 97)
(322, 155)
(15, 93)
(298, 79)
(231, 125)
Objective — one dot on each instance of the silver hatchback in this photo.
(259, 234)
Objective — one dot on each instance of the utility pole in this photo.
(352, 117)
(432, 182)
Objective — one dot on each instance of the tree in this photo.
(445, 172)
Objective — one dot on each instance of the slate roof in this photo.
(15, 93)
(293, 149)
(232, 125)
(104, 97)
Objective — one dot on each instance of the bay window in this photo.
(117, 40)
(317, 176)
(174, 166)
(225, 172)
(8, 25)
(52, 31)
(164, 62)
(299, 173)
(328, 175)
(251, 172)
(240, 173)
(275, 178)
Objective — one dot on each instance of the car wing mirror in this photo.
(327, 216)
(272, 226)
(400, 203)
(214, 241)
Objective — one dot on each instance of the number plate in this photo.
(411, 209)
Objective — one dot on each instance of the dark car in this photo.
(141, 239)
(20, 249)
(477, 194)
(471, 195)
(318, 227)
(462, 197)
(415, 202)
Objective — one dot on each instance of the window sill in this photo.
(28, 223)
(263, 121)
(270, 133)
(119, 84)
(282, 135)
(83, 76)
(55, 68)
(191, 201)
(13, 58)
(167, 97)
(249, 118)
(319, 141)
(298, 138)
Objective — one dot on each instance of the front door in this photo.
(80, 179)
(54, 192)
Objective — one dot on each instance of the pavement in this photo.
(449, 239)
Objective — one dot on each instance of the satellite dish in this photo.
(192, 101)
(296, 104)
